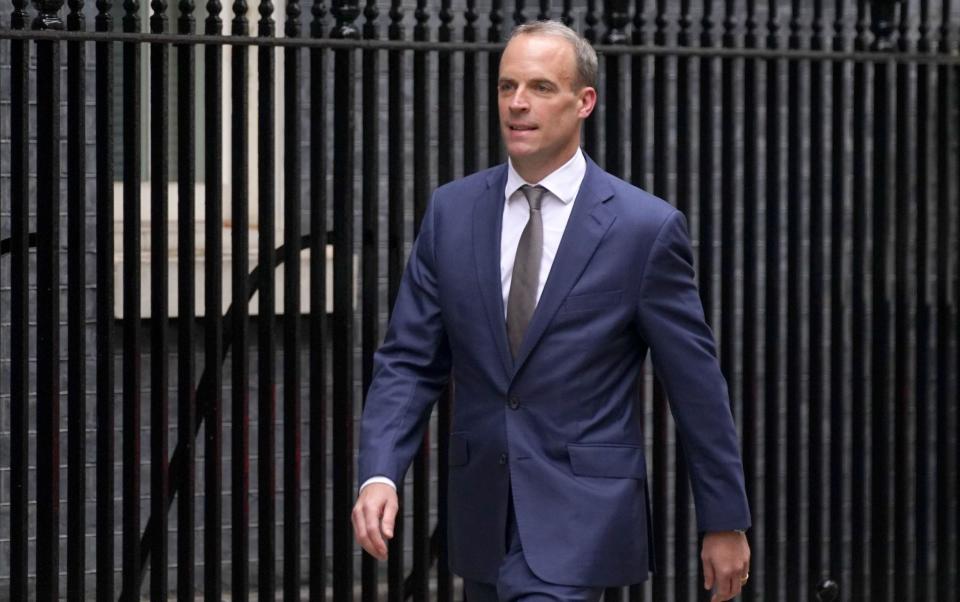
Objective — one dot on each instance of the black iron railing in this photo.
(814, 149)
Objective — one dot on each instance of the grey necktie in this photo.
(526, 271)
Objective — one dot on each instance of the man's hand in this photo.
(373, 518)
(726, 563)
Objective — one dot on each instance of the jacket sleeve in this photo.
(411, 368)
(671, 320)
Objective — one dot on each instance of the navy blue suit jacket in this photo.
(559, 425)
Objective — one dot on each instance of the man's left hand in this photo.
(726, 563)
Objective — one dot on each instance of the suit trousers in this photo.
(516, 582)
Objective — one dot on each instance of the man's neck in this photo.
(533, 173)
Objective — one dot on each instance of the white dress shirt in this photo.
(562, 187)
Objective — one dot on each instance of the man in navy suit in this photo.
(540, 285)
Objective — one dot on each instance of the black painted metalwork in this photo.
(266, 308)
(48, 304)
(821, 402)
(318, 311)
(76, 309)
(858, 307)
(106, 415)
(881, 308)
(186, 305)
(793, 361)
(494, 34)
(345, 11)
(214, 343)
(921, 267)
(291, 312)
(132, 152)
(159, 276)
(818, 207)
(616, 16)
(370, 332)
(590, 134)
(639, 69)
(771, 325)
(905, 286)
(240, 327)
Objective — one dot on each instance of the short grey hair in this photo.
(585, 55)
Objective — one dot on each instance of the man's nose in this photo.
(518, 102)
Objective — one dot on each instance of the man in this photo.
(541, 284)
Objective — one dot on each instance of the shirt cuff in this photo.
(383, 480)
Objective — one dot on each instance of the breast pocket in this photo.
(592, 301)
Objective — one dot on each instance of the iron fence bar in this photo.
(590, 126)
(159, 275)
(292, 406)
(470, 92)
(19, 308)
(186, 255)
(794, 396)
(818, 208)
(659, 511)
(771, 326)
(616, 15)
(637, 591)
(346, 11)
(106, 413)
(318, 311)
(131, 307)
(445, 173)
(838, 301)
(903, 315)
(881, 314)
(420, 575)
(858, 347)
(395, 251)
(76, 309)
(240, 325)
(48, 304)
(266, 318)
(728, 201)
(751, 379)
(494, 39)
(214, 339)
(639, 73)
(922, 329)
(369, 335)
(954, 259)
(946, 387)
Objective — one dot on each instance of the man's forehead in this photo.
(549, 51)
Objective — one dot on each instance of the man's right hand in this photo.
(373, 517)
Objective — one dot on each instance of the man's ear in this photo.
(588, 100)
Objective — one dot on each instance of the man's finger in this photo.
(707, 575)
(371, 517)
(389, 519)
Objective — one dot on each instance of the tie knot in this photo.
(533, 194)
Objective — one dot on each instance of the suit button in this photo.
(503, 459)
(514, 402)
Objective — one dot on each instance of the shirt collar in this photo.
(563, 183)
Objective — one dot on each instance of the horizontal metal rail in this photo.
(445, 47)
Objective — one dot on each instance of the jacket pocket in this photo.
(591, 301)
(459, 450)
(607, 460)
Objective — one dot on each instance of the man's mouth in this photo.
(519, 127)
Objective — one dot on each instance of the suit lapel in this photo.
(588, 223)
(487, 224)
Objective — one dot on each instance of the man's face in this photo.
(540, 108)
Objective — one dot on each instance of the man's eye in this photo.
(505, 87)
